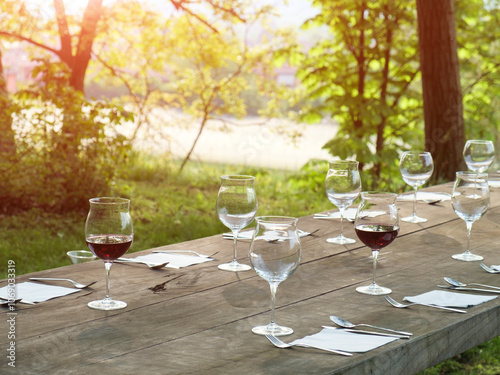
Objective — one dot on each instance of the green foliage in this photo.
(67, 148)
(362, 75)
(478, 37)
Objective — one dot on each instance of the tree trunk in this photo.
(443, 110)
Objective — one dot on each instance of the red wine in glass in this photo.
(109, 247)
(109, 233)
(376, 236)
(376, 225)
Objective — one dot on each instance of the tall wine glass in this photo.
(470, 198)
(416, 168)
(275, 254)
(377, 225)
(479, 154)
(109, 234)
(236, 207)
(342, 186)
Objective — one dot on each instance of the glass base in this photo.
(374, 290)
(272, 329)
(414, 219)
(107, 304)
(467, 257)
(234, 266)
(340, 240)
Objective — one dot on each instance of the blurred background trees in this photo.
(139, 61)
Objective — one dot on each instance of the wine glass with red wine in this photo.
(376, 225)
(109, 234)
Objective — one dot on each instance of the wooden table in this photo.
(199, 320)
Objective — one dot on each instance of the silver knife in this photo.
(369, 332)
(469, 289)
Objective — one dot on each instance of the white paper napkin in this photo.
(496, 268)
(337, 339)
(247, 235)
(494, 183)
(424, 195)
(449, 299)
(38, 292)
(175, 260)
(349, 214)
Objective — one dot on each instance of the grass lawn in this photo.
(167, 208)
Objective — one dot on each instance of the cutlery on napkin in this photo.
(466, 288)
(30, 292)
(449, 299)
(339, 339)
(174, 260)
(361, 331)
(426, 196)
(248, 234)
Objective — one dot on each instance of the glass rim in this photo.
(376, 192)
(416, 152)
(480, 175)
(240, 177)
(275, 219)
(478, 141)
(109, 200)
(343, 162)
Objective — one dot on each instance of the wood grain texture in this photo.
(200, 322)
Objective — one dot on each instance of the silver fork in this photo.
(153, 266)
(488, 269)
(402, 306)
(280, 344)
(77, 285)
(185, 251)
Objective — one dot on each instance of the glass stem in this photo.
(469, 228)
(415, 201)
(341, 210)
(274, 288)
(235, 240)
(107, 265)
(375, 256)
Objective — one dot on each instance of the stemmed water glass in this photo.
(109, 234)
(377, 225)
(275, 254)
(342, 186)
(236, 208)
(470, 199)
(479, 154)
(416, 168)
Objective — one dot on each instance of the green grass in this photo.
(168, 208)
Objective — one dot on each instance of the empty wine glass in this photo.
(236, 207)
(377, 225)
(479, 154)
(470, 199)
(416, 168)
(275, 254)
(342, 186)
(109, 234)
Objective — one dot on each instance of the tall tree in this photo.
(362, 75)
(443, 108)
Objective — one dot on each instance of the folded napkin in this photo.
(247, 235)
(494, 183)
(37, 292)
(174, 260)
(424, 196)
(449, 299)
(496, 268)
(349, 214)
(337, 339)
